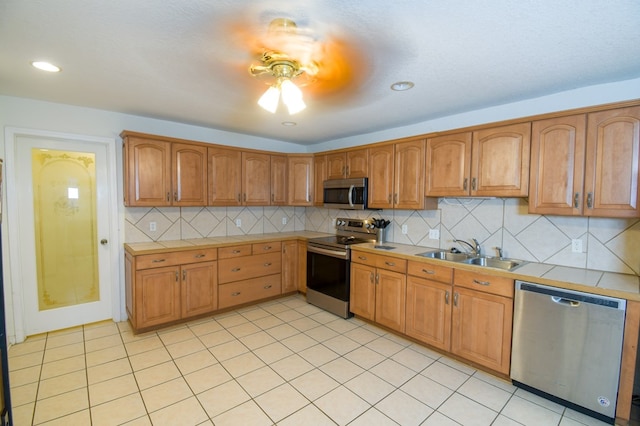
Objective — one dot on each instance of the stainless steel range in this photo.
(329, 264)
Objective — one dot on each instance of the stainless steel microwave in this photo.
(346, 194)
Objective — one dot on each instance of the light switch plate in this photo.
(152, 226)
(434, 234)
(576, 246)
(284, 220)
(405, 229)
(239, 223)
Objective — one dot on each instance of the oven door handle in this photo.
(351, 188)
(341, 254)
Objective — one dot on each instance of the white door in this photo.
(65, 271)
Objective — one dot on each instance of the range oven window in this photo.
(328, 275)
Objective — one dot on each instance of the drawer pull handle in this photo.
(200, 256)
(266, 248)
(362, 257)
(266, 287)
(428, 271)
(235, 269)
(236, 293)
(390, 263)
(482, 282)
(446, 297)
(158, 260)
(455, 299)
(267, 264)
(236, 251)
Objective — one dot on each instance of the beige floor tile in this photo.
(202, 328)
(299, 342)
(23, 414)
(106, 355)
(103, 342)
(282, 331)
(365, 357)
(268, 322)
(243, 330)
(321, 333)
(318, 355)
(149, 359)
(156, 375)
(289, 316)
(26, 347)
(304, 324)
(341, 344)
(445, 375)
(257, 340)
(25, 361)
(242, 364)
(81, 418)
(124, 326)
(166, 394)
(24, 394)
(175, 336)
(100, 329)
(62, 352)
(216, 338)
(273, 352)
(412, 359)
(222, 398)
(308, 415)
(341, 369)
(485, 393)
(341, 326)
(393, 372)
(107, 371)
(228, 350)
(291, 367)
(314, 384)
(61, 384)
(118, 411)
(465, 411)
(138, 346)
(195, 361)
(385, 346)
(282, 401)
(207, 378)
(230, 319)
(64, 366)
(62, 338)
(184, 413)
(369, 387)
(428, 391)
(254, 314)
(249, 412)
(112, 389)
(438, 419)
(25, 376)
(61, 405)
(373, 417)
(361, 335)
(140, 421)
(260, 381)
(404, 409)
(187, 347)
(342, 405)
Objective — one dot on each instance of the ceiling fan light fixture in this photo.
(45, 66)
(292, 96)
(401, 86)
(269, 100)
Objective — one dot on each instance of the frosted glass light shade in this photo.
(292, 97)
(269, 100)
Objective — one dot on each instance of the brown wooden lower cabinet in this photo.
(429, 312)
(240, 292)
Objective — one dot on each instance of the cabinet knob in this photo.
(104, 241)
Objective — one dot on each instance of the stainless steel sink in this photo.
(495, 262)
(445, 255)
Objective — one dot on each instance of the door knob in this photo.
(104, 241)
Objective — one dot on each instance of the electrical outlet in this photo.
(239, 223)
(576, 246)
(152, 226)
(434, 234)
(405, 229)
(284, 220)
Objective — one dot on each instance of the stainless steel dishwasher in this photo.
(567, 347)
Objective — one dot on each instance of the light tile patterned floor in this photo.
(281, 362)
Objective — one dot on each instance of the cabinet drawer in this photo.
(244, 268)
(392, 264)
(175, 258)
(364, 258)
(268, 247)
(247, 291)
(234, 251)
(486, 283)
(443, 274)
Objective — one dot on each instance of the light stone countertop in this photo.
(598, 282)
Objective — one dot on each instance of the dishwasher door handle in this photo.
(566, 302)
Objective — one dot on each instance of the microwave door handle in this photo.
(351, 188)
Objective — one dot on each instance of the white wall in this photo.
(32, 114)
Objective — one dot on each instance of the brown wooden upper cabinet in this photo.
(350, 164)
(239, 178)
(490, 162)
(163, 173)
(300, 180)
(319, 176)
(587, 164)
(279, 176)
(396, 178)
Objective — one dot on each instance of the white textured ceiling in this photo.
(182, 61)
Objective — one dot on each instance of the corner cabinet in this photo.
(491, 162)
(587, 164)
(163, 173)
(167, 287)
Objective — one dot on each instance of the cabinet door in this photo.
(278, 180)
(613, 163)
(189, 177)
(391, 293)
(500, 161)
(157, 296)
(363, 291)
(429, 312)
(409, 175)
(148, 172)
(255, 179)
(225, 177)
(381, 163)
(557, 165)
(300, 181)
(199, 289)
(319, 176)
(448, 165)
(289, 266)
(336, 165)
(358, 163)
(481, 328)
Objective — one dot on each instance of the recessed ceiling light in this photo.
(401, 86)
(45, 66)
(289, 123)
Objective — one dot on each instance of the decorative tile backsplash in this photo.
(607, 244)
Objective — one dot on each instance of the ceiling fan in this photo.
(289, 58)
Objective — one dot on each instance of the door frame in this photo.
(12, 216)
